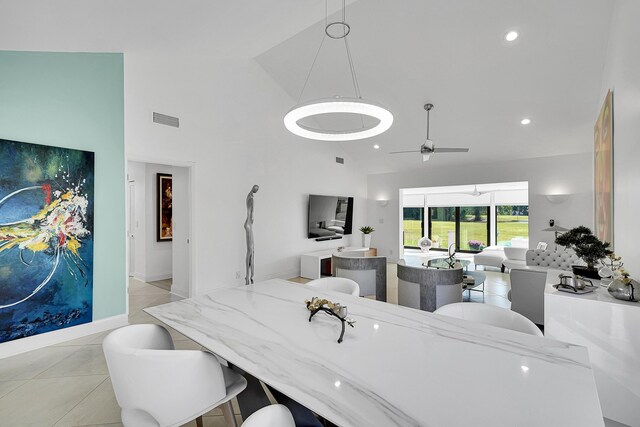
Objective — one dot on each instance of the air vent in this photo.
(340, 160)
(163, 119)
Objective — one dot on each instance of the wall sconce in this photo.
(382, 203)
(557, 198)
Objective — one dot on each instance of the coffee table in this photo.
(473, 279)
(442, 263)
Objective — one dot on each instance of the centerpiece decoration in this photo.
(617, 279)
(588, 247)
(366, 235)
(316, 305)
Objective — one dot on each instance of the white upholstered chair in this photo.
(528, 282)
(338, 284)
(156, 385)
(490, 315)
(270, 416)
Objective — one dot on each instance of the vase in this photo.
(366, 240)
(625, 291)
(584, 271)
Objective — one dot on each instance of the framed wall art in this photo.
(46, 238)
(603, 171)
(164, 183)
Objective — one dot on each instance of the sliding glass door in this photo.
(442, 227)
(512, 222)
(467, 227)
(413, 226)
(474, 228)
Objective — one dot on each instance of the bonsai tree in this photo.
(587, 246)
(366, 230)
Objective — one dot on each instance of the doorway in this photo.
(159, 225)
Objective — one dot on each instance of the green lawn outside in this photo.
(509, 226)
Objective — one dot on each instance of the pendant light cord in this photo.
(354, 77)
(428, 111)
(311, 69)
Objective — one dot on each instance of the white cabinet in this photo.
(610, 329)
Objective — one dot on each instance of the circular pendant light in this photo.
(341, 105)
(358, 106)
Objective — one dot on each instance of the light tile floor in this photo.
(68, 384)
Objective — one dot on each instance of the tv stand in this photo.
(311, 263)
(322, 239)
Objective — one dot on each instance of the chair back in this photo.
(490, 315)
(146, 372)
(337, 284)
(270, 416)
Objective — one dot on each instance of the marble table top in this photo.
(397, 367)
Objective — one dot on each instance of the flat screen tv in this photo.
(330, 217)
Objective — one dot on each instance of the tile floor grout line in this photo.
(81, 400)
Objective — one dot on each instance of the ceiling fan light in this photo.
(338, 105)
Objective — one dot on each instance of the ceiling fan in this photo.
(428, 148)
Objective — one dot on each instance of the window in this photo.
(512, 222)
(474, 228)
(413, 226)
(466, 226)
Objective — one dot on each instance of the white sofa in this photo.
(514, 257)
(495, 256)
(491, 256)
(528, 282)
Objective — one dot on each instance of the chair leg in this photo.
(199, 421)
(227, 411)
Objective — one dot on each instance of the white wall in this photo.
(181, 232)
(622, 76)
(572, 174)
(231, 127)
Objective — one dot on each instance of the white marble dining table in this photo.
(396, 367)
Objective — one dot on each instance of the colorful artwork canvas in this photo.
(603, 171)
(46, 238)
(164, 207)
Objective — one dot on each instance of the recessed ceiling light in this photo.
(377, 147)
(525, 121)
(511, 36)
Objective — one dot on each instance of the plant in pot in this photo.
(476, 245)
(366, 235)
(588, 247)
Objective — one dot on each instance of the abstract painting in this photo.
(46, 238)
(603, 171)
(164, 207)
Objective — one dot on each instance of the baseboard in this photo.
(281, 275)
(156, 277)
(35, 342)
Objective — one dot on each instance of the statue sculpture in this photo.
(248, 228)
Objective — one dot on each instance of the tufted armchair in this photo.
(527, 283)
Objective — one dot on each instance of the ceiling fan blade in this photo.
(403, 152)
(450, 150)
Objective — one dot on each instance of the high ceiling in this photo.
(453, 54)
(450, 53)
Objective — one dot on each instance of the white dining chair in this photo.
(270, 416)
(156, 385)
(338, 284)
(490, 315)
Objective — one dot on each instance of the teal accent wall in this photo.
(76, 100)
